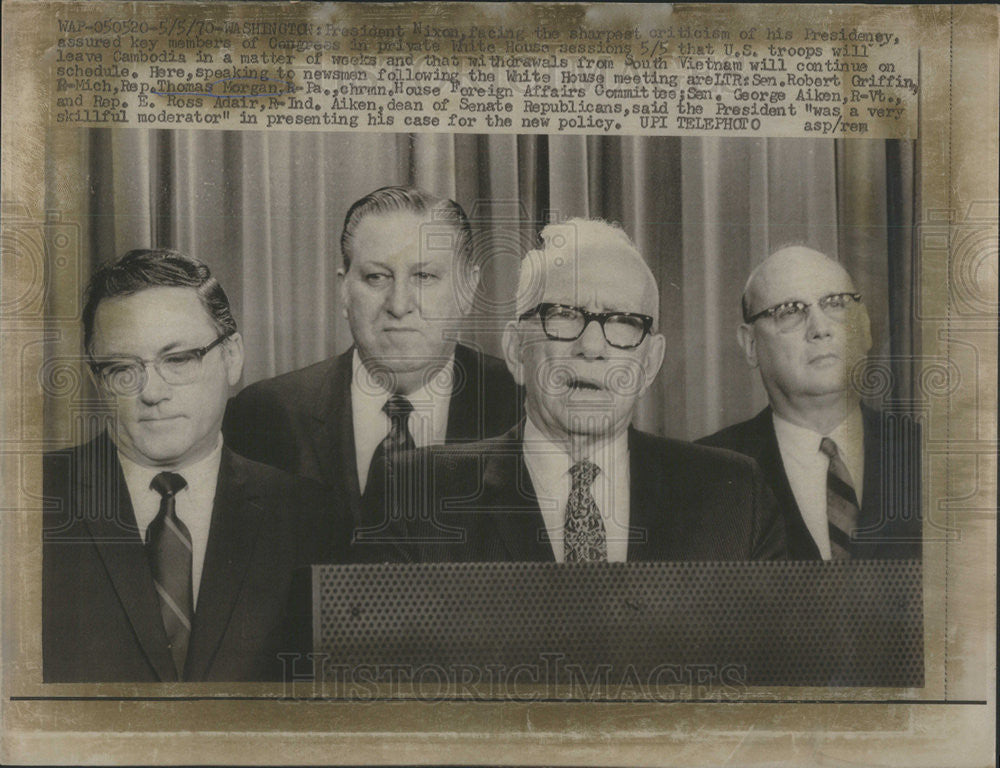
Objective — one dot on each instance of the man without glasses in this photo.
(574, 482)
(847, 479)
(406, 286)
(167, 557)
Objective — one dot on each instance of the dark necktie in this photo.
(841, 502)
(398, 409)
(584, 538)
(168, 545)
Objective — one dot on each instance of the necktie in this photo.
(841, 502)
(398, 409)
(584, 537)
(168, 545)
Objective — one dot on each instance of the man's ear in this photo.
(512, 351)
(342, 285)
(232, 358)
(748, 342)
(866, 329)
(653, 359)
(466, 287)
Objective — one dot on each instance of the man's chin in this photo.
(402, 358)
(405, 364)
(155, 456)
(828, 386)
(593, 422)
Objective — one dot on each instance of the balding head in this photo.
(806, 329)
(794, 260)
(579, 255)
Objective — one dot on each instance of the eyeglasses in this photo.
(790, 315)
(127, 376)
(623, 330)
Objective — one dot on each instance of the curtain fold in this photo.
(265, 210)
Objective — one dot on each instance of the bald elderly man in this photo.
(846, 476)
(573, 481)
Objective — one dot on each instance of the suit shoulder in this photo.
(58, 467)
(473, 360)
(94, 447)
(697, 460)
(53, 460)
(452, 465)
(277, 483)
(495, 368)
(301, 386)
(464, 453)
(298, 511)
(93, 456)
(744, 436)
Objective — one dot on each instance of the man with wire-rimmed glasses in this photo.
(573, 481)
(166, 556)
(847, 480)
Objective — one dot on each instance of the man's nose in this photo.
(400, 300)
(818, 324)
(155, 389)
(592, 343)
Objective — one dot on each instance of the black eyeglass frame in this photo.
(600, 317)
(97, 367)
(771, 311)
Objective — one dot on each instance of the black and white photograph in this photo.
(405, 377)
(484, 349)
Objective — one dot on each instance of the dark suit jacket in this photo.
(476, 503)
(100, 614)
(302, 421)
(889, 521)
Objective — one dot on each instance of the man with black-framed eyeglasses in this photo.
(167, 557)
(574, 481)
(846, 478)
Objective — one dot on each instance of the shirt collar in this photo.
(801, 444)
(547, 461)
(368, 390)
(851, 429)
(200, 474)
(553, 462)
(428, 424)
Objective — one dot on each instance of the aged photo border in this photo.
(959, 212)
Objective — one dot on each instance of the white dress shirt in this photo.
(549, 465)
(428, 423)
(193, 503)
(806, 467)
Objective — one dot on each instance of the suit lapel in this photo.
(871, 501)
(335, 433)
(507, 489)
(800, 542)
(653, 528)
(235, 524)
(107, 509)
(875, 532)
(463, 409)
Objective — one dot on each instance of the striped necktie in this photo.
(168, 545)
(584, 537)
(841, 502)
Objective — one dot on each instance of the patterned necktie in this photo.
(841, 502)
(168, 545)
(583, 532)
(398, 409)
